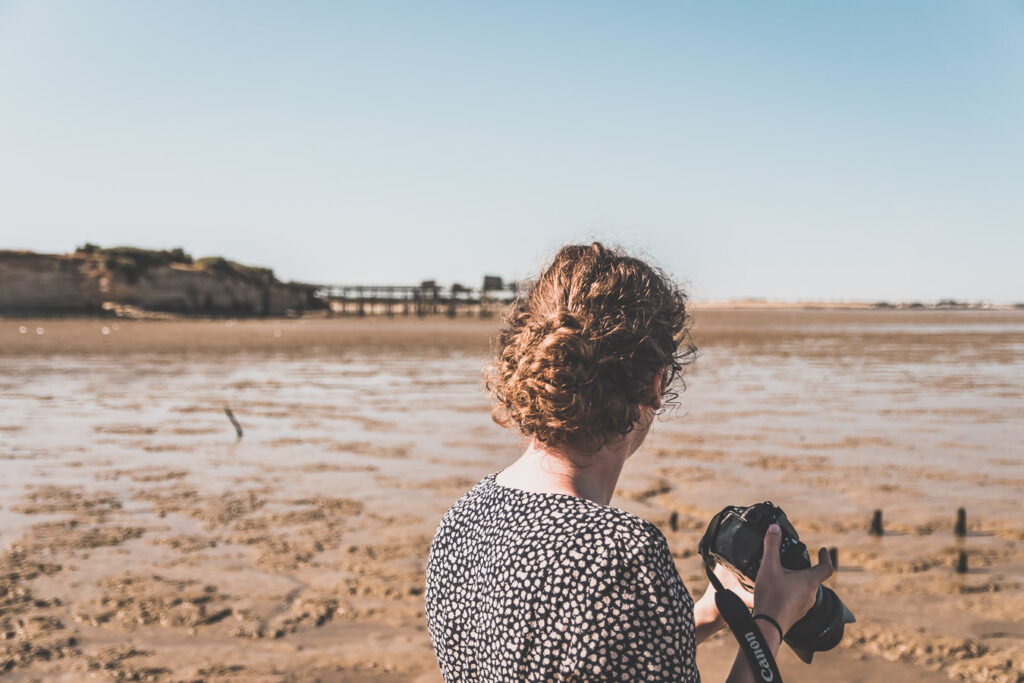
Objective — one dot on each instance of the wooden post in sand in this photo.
(876, 524)
(960, 529)
(673, 521)
(833, 554)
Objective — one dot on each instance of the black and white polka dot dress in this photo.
(528, 586)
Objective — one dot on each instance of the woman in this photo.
(532, 575)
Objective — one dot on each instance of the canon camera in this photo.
(735, 538)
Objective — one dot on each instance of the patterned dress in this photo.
(528, 586)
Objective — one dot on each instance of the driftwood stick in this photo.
(234, 421)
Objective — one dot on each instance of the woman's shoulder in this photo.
(554, 513)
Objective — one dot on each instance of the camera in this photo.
(735, 538)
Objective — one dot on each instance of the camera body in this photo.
(738, 540)
(735, 538)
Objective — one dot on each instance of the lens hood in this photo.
(821, 628)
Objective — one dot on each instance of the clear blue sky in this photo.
(858, 150)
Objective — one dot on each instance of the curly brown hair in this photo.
(579, 351)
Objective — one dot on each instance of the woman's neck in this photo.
(544, 470)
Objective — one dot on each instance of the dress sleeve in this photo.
(642, 627)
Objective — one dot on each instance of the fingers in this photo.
(772, 541)
(823, 569)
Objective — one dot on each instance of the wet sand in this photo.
(140, 541)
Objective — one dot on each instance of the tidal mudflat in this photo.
(140, 540)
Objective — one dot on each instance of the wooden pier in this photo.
(427, 298)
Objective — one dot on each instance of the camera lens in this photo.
(735, 538)
(822, 627)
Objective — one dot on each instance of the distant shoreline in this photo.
(135, 284)
(138, 314)
(867, 329)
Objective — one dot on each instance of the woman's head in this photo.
(581, 353)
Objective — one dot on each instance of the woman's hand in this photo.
(783, 594)
(786, 595)
(705, 613)
(730, 582)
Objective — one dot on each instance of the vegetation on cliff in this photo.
(131, 262)
(219, 264)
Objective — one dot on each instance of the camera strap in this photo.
(748, 635)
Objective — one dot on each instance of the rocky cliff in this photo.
(153, 280)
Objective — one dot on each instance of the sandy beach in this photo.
(140, 540)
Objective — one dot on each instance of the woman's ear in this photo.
(657, 387)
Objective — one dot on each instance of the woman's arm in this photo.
(706, 618)
(705, 613)
(741, 672)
